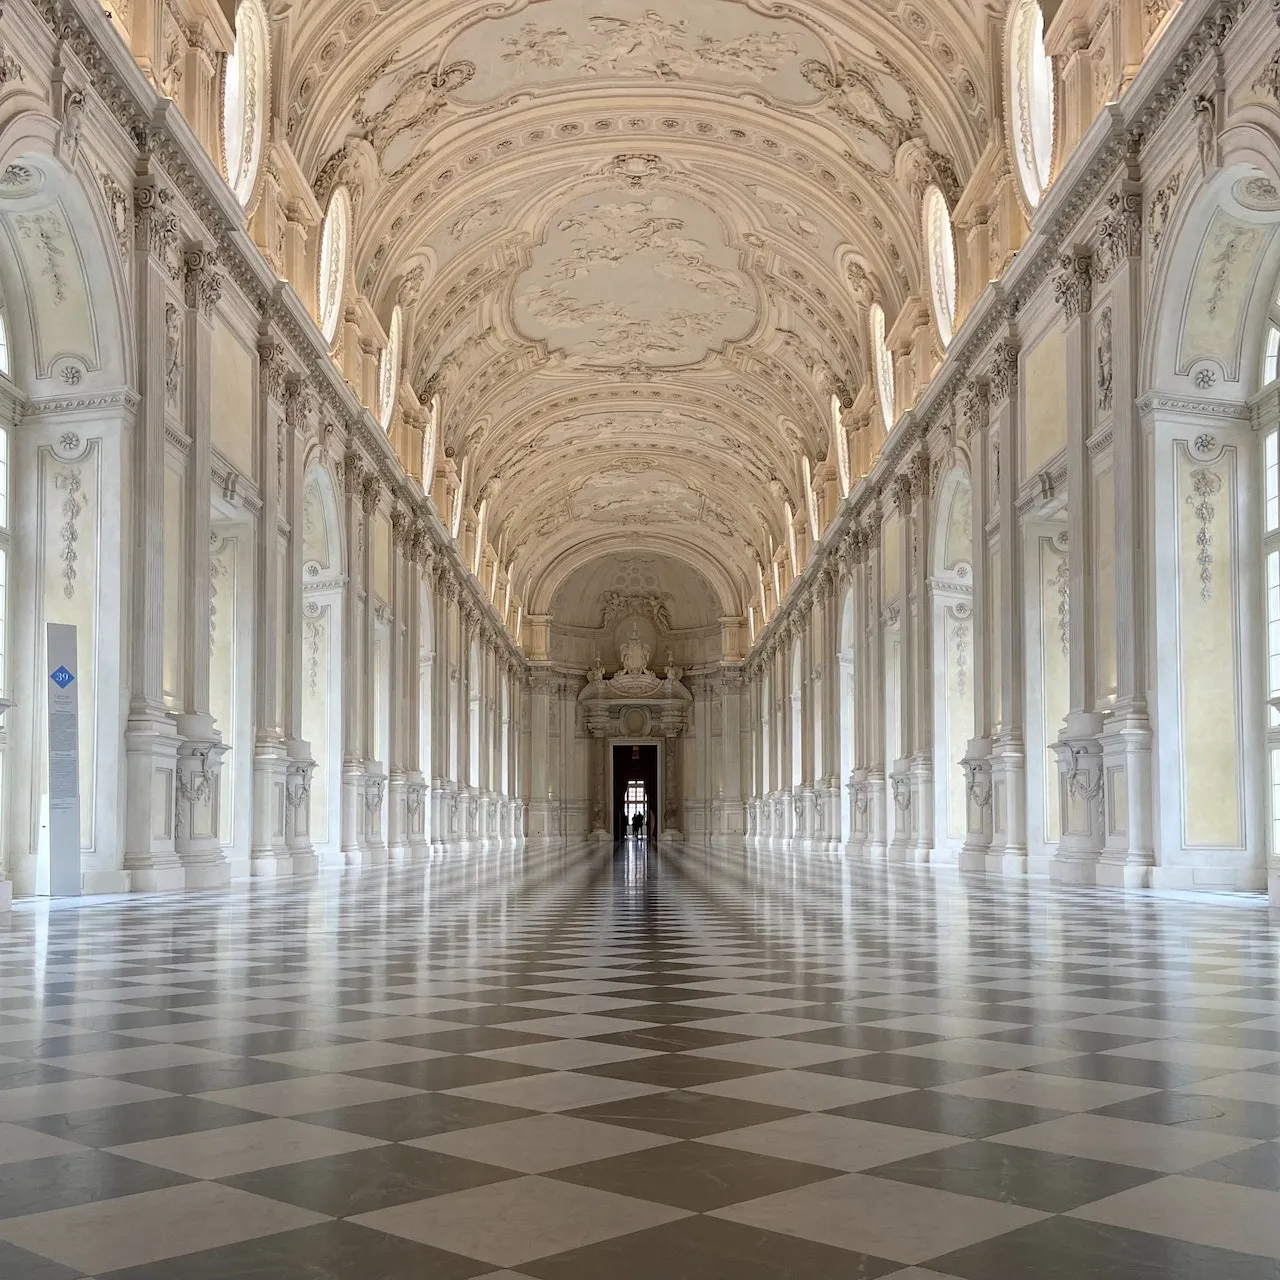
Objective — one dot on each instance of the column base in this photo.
(269, 846)
(157, 879)
(1113, 874)
(1006, 863)
(94, 882)
(151, 766)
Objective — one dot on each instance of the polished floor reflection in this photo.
(579, 1064)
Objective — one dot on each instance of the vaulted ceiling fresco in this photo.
(635, 240)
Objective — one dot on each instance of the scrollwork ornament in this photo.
(203, 282)
(273, 370)
(1002, 373)
(370, 493)
(1118, 232)
(1073, 285)
(974, 408)
(155, 225)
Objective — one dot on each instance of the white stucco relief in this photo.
(621, 277)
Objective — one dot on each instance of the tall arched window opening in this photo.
(940, 253)
(244, 99)
(335, 241)
(841, 436)
(389, 371)
(883, 361)
(1031, 99)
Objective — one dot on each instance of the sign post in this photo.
(64, 762)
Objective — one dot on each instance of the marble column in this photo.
(870, 778)
(374, 785)
(300, 420)
(198, 776)
(151, 740)
(974, 424)
(901, 781)
(269, 851)
(355, 601)
(398, 707)
(921, 660)
(1079, 752)
(416, 801)
(1129, 849)
(1008, 852)
(443, 783)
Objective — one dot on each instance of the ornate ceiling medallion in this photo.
(623, 277)
(556, 42)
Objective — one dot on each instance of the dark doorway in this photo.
(635, 789)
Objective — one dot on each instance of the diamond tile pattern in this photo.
(576, 1063)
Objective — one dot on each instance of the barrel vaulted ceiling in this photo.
(637, 239)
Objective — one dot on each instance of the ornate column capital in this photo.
(974, 408)
(920, 475)
(155, 224)
(370, 493)
(1118, 231)
(273, 369)
(202, 282)
(1002, 372)
(301, 404)
(352, 474)
(902, 493)
(1073, 285)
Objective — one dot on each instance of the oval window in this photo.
(940, 251)
(389, 372)
(244, 99)
(1030, 75)
(883, 366)
(334, 241)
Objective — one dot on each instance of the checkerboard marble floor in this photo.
(584, 1064)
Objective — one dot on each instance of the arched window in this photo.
(430, 434)
(842, 447)
(1030, 88)
(883, 367)
(1270, 355)
(335, 242)
(940, 252)
(810, 499)
(5, 367)
(389, 372)
(244, 99)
